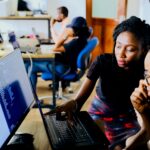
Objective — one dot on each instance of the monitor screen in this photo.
(33, 5)
(16, 95)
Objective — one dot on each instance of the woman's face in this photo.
(147, 67)
(127, 49)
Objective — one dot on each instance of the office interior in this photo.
(101, 15)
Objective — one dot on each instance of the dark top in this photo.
(72, 50)
(115, 84)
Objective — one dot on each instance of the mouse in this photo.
(23, 141)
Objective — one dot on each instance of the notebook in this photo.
(24, 44)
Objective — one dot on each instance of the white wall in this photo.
(145, 10)
(76, 8)
(133, 8)
(139, 8)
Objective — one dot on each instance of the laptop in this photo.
(48, 41)
(85, 134)
(23, 44)
(16, 97)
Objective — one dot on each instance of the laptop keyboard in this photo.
(62, 134)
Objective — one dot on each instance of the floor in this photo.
(44, 90)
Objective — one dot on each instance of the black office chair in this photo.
(82, 64)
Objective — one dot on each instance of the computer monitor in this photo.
(16, 97)
(33, 5)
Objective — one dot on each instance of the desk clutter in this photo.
(31, 44)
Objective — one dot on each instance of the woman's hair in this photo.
(82, 32)
(139, 28)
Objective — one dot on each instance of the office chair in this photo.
(82, 64)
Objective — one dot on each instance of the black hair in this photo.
(139, 28)
(81, 32)
(64, 10)
(141, 31)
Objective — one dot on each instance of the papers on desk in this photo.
(6, 47)
(46, 48)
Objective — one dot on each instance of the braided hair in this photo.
(136, 26)
(141, 31)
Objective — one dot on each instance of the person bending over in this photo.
(118, 74)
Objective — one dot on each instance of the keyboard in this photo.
(83, 135)
(63, 134)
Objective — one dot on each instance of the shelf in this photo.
(37, 17)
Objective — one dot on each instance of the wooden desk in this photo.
(33, 124)
(38, 55)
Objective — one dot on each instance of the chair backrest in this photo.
(85, 53)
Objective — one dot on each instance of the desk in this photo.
(33, 124)
(38, 56)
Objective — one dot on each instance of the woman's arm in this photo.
(76, 104)
(84, 92)
(139, 101)
(66, 37)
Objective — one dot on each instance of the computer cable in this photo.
(31, 64)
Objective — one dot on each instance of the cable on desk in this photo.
(31, 64)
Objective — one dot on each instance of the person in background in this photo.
(63, 20)
(73, 41)
(118, 73)
(140, 99)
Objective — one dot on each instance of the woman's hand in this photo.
(69, 108)
(140, 97)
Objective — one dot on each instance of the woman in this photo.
(118, 73)
(140, 99)
(69, 45)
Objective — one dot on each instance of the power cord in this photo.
(31, 63)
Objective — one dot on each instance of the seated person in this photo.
(140, 99)
(60, 21)
(70, 45)
(118, 74)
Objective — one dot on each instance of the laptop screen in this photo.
(16, 95)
